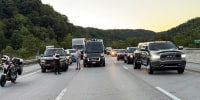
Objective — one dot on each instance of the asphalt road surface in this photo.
(116, 81)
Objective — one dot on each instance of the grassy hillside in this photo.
(184, 34)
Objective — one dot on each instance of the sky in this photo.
(155, 15)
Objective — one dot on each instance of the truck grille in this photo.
(171, 56)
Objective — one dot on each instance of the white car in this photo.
(72, 54)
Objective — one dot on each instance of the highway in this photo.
(116, 81)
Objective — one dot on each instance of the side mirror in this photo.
(180, 47)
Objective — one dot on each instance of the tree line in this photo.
(27, 26)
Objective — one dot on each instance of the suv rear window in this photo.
(50, 52)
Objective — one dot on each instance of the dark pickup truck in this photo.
(159, 55)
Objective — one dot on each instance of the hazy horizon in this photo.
(155, 15)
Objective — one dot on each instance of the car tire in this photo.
(139, 66)
(43, 70)
(136, 65)
(65, 68)
(181, 70)
(149, 69)
(84, 64)
(104, 64)
(128, 61)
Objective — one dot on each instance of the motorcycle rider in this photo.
(5, 60)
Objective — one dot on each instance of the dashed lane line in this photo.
(125, 67)
(62, 93)
(167, 93)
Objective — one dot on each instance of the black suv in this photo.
(159, 55)
(94, 53)
(128, 58)
(47, 60)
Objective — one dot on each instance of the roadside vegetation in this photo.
(27, 26)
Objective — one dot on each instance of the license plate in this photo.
(93, 62)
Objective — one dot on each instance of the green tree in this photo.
(31, 44)
(9, 51)
(16, 40)
(67, 41)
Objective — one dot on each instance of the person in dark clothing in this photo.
(56, 57)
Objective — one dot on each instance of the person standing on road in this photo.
(78, 57)
(56, 57)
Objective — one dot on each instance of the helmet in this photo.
(5, 58)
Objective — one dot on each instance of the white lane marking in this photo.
(59, 97)
(29, 74)
(125, 67)
(167, 93)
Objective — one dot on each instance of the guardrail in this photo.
(192, 55)
(26, 62)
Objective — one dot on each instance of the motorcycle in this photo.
(10, 71)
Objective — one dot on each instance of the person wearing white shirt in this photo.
(78, 57)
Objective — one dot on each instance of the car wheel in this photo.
(139, 66)
(65, 68)
(43, 70)
(135, 66)
(124, 61)
(149, 68)
(128, 61)
(104, 64)
(84, 65)
(181, 70)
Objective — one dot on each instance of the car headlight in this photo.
(155, 56)
(85, 55)
(42, 61)
(131, 56)
(183, 56)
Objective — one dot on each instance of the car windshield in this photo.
(72, 51)
(80, 47)
(131, 50)
(51, 52)
(94, 47)
(161, 46)
(122, 51)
